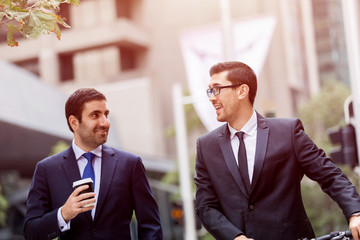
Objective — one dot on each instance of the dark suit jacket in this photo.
(123, 188)
(273, 209)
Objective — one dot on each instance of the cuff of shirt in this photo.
(63, 226)
(355, 214)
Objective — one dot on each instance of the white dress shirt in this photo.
(250, 130)
(81, 162)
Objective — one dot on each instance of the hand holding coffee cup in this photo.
(82, 182)
(82, 199)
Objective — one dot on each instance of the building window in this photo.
(66, 62)
(127, 58)
(123, 8)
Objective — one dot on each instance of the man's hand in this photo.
(243, 237)
(75, 203)
(354, 226)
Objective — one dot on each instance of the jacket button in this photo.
(251, 207)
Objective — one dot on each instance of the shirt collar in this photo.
(249, 128)
(79, 152)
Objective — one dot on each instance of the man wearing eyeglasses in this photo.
(248, 171)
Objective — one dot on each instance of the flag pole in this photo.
(184, 165)
(227, 30)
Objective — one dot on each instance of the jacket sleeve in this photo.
(207, 205)
(40, 219)
(146, 209)
(320, 168)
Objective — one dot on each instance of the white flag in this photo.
(203, 47)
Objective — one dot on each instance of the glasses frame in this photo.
(211, 91)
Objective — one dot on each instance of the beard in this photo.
(94, 138)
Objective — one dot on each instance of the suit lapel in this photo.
(261, 147)
(108, 165)
(72, 172)
(70, 167)
(225, 145)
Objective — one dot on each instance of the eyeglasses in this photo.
(217, 89)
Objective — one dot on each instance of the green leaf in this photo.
(33, 19)
(59, 20)
(39, 22)
(55, 4)
(17, 13)
(74, 2)
(12, 29)
(51, 4)
(19, 3)
(2, 14)
(5, 3)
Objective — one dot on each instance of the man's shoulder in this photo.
(124, 159)
(282, 125)
(118, 152)
(282, 121)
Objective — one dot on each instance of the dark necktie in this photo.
(89, 170)
(242, 161)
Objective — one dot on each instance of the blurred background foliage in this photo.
(324, 111)
(58, 147)
(193, 126)
(324, 214)
(3, 207)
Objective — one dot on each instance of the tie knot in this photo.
(240, 135)
(89, 156)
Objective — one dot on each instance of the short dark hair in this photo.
(238, 73)
(76, 101)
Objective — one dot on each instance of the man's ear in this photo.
(74, 122)
(243, 91)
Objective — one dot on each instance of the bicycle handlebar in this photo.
(338, 235)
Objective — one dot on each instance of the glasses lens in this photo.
(208, 92)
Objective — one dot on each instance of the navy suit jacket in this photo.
(123, 189)
(273, 208)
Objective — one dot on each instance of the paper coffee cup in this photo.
(82, 182)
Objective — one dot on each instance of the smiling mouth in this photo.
(217, 108)
(102, 131)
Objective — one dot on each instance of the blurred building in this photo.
(31, 119)
(129, 49)
(330, 40)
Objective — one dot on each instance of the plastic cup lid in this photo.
(82, 181)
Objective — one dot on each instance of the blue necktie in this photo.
(89, 170)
